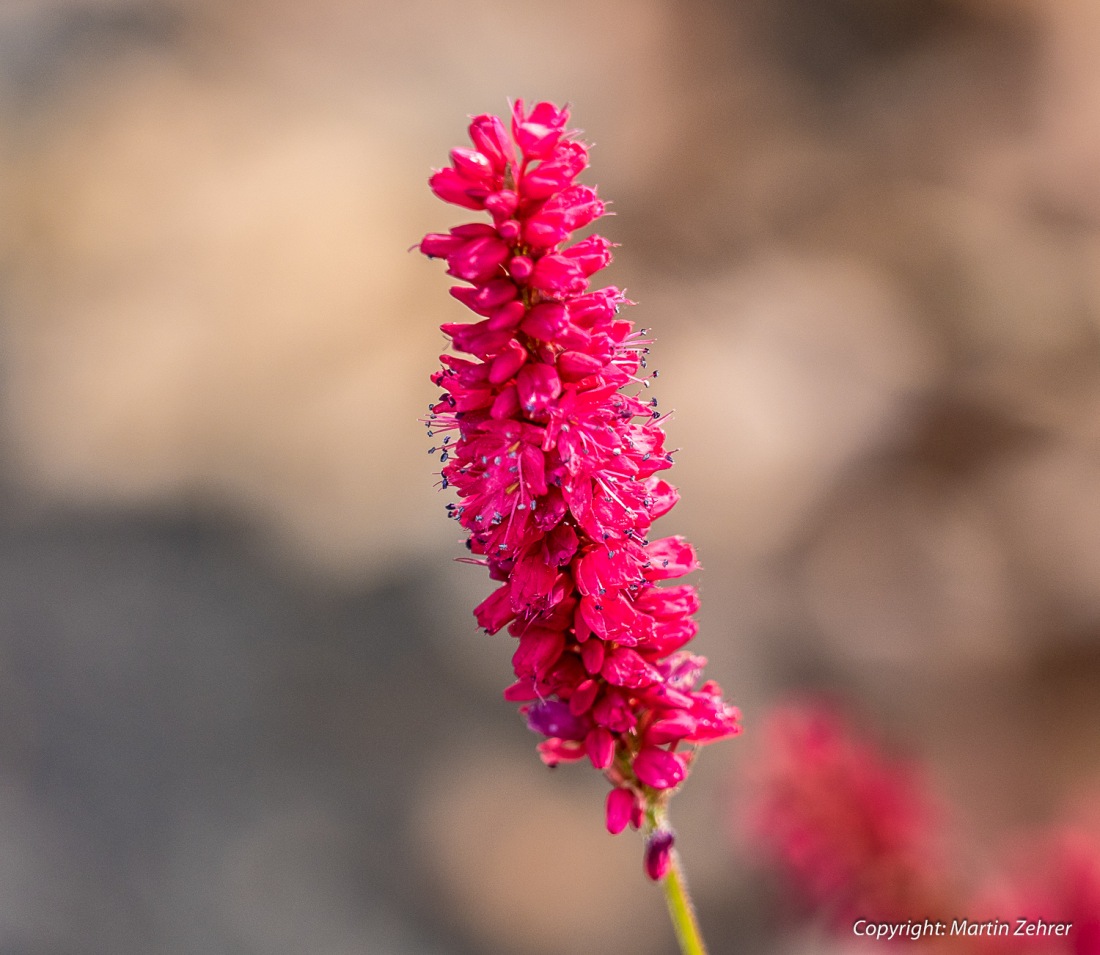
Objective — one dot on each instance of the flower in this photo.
(555, 458)
(1051, 879)
(658, 854)
(854, 831)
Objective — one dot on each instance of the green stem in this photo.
(681, 911)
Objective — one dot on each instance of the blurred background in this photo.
(243, 705)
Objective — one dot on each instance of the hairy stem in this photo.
(681, 911)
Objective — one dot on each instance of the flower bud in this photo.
(521, 268)
(658, 854)
(620, 803)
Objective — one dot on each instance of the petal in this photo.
(670, 557)
(502, 204)
(583, 697)
(575, 365)
(591, 254)
(558, 275)
(521, 691)
(560, 545)
(488, 134)
(471, 164)
(600, 746)
(478, 260)
(436, 245)
(539, 649)
(670, 729)
(534, 585)
(506, 404)
(625, 667)
(508, 315)
(450, 186)
(620, 803)
(538, 386)
(537, 133)
(495, 610)
(554, 751)
(507, 363)
(614, 712)
(659, 768)
(592, 655)
(545, 321)
(662, 497)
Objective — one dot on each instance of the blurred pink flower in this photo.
(556, 470)
(853, 831)
(1053, 880)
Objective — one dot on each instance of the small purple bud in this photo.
(658, 854)
(552, 718)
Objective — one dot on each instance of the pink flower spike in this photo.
(832, 809)
(555, 459)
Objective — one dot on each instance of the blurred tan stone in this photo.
(1050, 507)
(914, 577)
(210, 300)
(284, 882)
(1067, 142)
(795, 368)
(525, 865)
(1020, 282)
